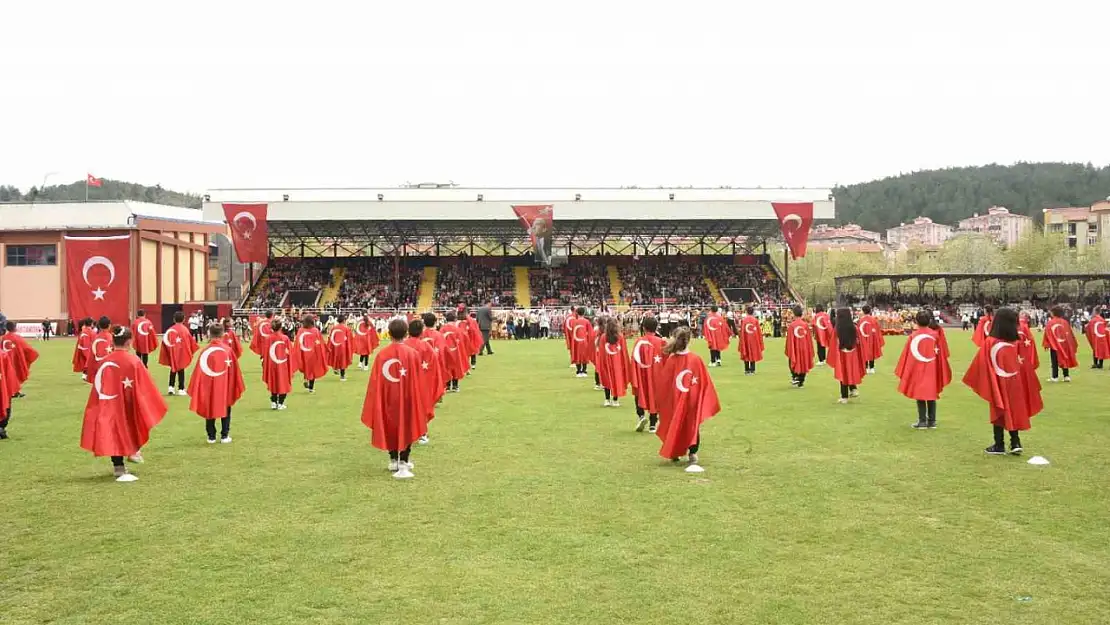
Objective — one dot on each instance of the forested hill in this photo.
(948, 195)
(109, 190)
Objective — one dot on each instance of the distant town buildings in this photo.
(837, 236)
(999, 223)
(923, 231)
(1082, 226)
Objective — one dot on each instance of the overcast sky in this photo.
(202, 94)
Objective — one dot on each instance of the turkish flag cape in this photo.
(99, 349)
(23, 355)
(982, 330)
(1098, 337)
(260, 339)
(98, 277)
(144, 336)
(1027, 347)
(427, 374)
(365, 337)
(717, 332)
(795, 219)
(250, 232)
(217, 382)
(456, 360)
(340, 347)
(751, 340)
(823, 329)
(7, 383)
(277, 371)
(871, 338)
(614, 366)
(309, 356)
(81, 350)
(582, 340)
(1003, 378)
(1059, 337)
(567, 328)
(124, 405)
(799, 346)
(435, 342)
(923, 369)
(647, 362)
(394, 408)
(233, 343)
(178, 347)
(687, 398)
(849, 367)
(474, 334)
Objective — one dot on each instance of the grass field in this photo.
(535, 505)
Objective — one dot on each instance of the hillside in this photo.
(110, 190)
(947, 195)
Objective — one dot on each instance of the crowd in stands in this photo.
(369, 283)
(473, 284)
(584, 283)
(291, 274)
(682, 284)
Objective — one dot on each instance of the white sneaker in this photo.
(282, 407)
(393, 465)
(842, 401)
(84, 377)
(211, 441)
(597, 387)
(182, 393)
(273, 405)
(1067, 378)
(311, 391)
(853, 393)
(606, 403)
(343, 379)
(423, 440)
(127, 477)
(616, 403)
(172, 391)
(410, 464)
(1052, 380)
(404, 472)
(641, 423)
(136, 458)
(225, 440)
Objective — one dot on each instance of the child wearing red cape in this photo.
(687, 398)
(144, 337)
(435, 340)
(647, 359)
(871, 338)
(1006, 380)
(823, 330)
(613, 365)
(750, 341)
(177, 352)
(717, 334)
(309, 355)
(427, 374)
(455, 360)
(81, 349)
(799, 348)
(22, 357)
(7, 390)
(232, 339)
(366, 341)
(1060, 342)
(277, 371)
(100, 346)
(846, 356)
(983, 327)
(1098, 338)
(394, 407)
(581, 342)
(923, 370)
(340, 347)
(124, 405)
(216, 384)
(260, 340)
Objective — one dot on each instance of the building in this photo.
(849, 234)
(999, 223)
(1082, 226)
(169, 258)
(923, 231)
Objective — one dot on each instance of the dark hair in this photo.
(140, 313)
(750, 310)
(819, 308)
(580, 311)
(1005, 325)
(866, 309)
(429, 320)
(215, 330)
(988, 310)
(9, 326)
(449, 316)
(612, 330)
(342, 318)
(308, 322)
(120, 335)
(178, 317)
(680, 340)
(650, 324)
(269, 314)
(797, 310)
(923, 318)
(933, 323)
(275, 325)
(1056, 311)
(846, 335)
(713, 308)
(416, 327)
(398, 329)
(104, 323)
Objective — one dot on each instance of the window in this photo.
(32, 255)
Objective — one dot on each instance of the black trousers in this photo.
(146, 360)
(580, 368)
(800, 378)
(7, 418)
(277, 399)
(845, 389)
(403, 455)
(1056, 368)
(927, 411)
(652, 418)
(870, 364)
(485, 343)
(697, 444)
(117, 461)
(714, 355)
(822, 352)
(225, 426)
(749, 367)
(1098, 362)
(999, 438)
(180, 377)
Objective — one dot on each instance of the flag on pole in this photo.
(93, 181)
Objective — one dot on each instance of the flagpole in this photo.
(86, 187)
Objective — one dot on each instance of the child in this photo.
(231, 339)
(177, 352)
(81, 349)
(309, 354)
(750, 341)
(687, 398)
(7, 392)
(216, 384)
(846, 356)
(923, 370)
(871, 338)
(1060, 341)
(144, 337)
(277, 372)
(366, 341)
(394, 407)
(124, 405)
(647, 356)
(1006, 380)
(22, 357)
(613, 365)
(428, 375)
(339, 348)
(799, 349)
(100, 346)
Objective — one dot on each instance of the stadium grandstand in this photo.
(438, 246)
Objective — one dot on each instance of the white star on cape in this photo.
(424, 364)
(98, 293)
(404, 372)
(127, 382)
(658, 359)
(694, 380)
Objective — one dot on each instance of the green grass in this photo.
(535, 505)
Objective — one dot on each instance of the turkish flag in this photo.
(687, 398)
(99, 349)
(178, 347)
(613, 366)
(428, 374)
(98, 277)
(216, 383)
(277, 372)
(751, 340)
(7, 382)
(457, 361)
(93, 181)
(340, 348)
(799, 346)
(309, 355)
(124, 405)
(717, 332)
(647, 362)
(923, 369)
(438, 346)
(145, 339)
(260, 340)
(1098, 337)
(81, 349)
(394, 407)
(795, 219)
(1059, 338)
(23, 355)
(366, 337)
(1002, 376)
(582, 340)
(982, 330)
(233, 343)
(250, 232)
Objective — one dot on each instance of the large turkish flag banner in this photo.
(795, 219)
(98, 277)
(250, 232)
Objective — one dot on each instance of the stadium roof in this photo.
(981, 277)
(453, 212)
(94, 215)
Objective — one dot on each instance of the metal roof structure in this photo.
(114, 215)
(978, 277)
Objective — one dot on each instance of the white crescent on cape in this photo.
(862, 325)
(7, 346)
(273, 353)
(998, 370)
(300, 343)
(332, 338)
(915, 347)
(678, 381)
(97, 381)
(95, 341)
(166, 337)
(574, 333)
(749, 328)
(385, 370)
(636, 354)
(709, 324)
(205, 367)
(1102, 334)
(820, 327)
(987, 327)
(1056, 333)
(612, 352)
(358, 329)
(93, 261)
(796, 330)
(142, 327)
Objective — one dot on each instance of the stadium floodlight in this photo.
(577, 197)
(671, 197)
(284, 197)
(480, 198)
(381, 197)
(207, 198)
